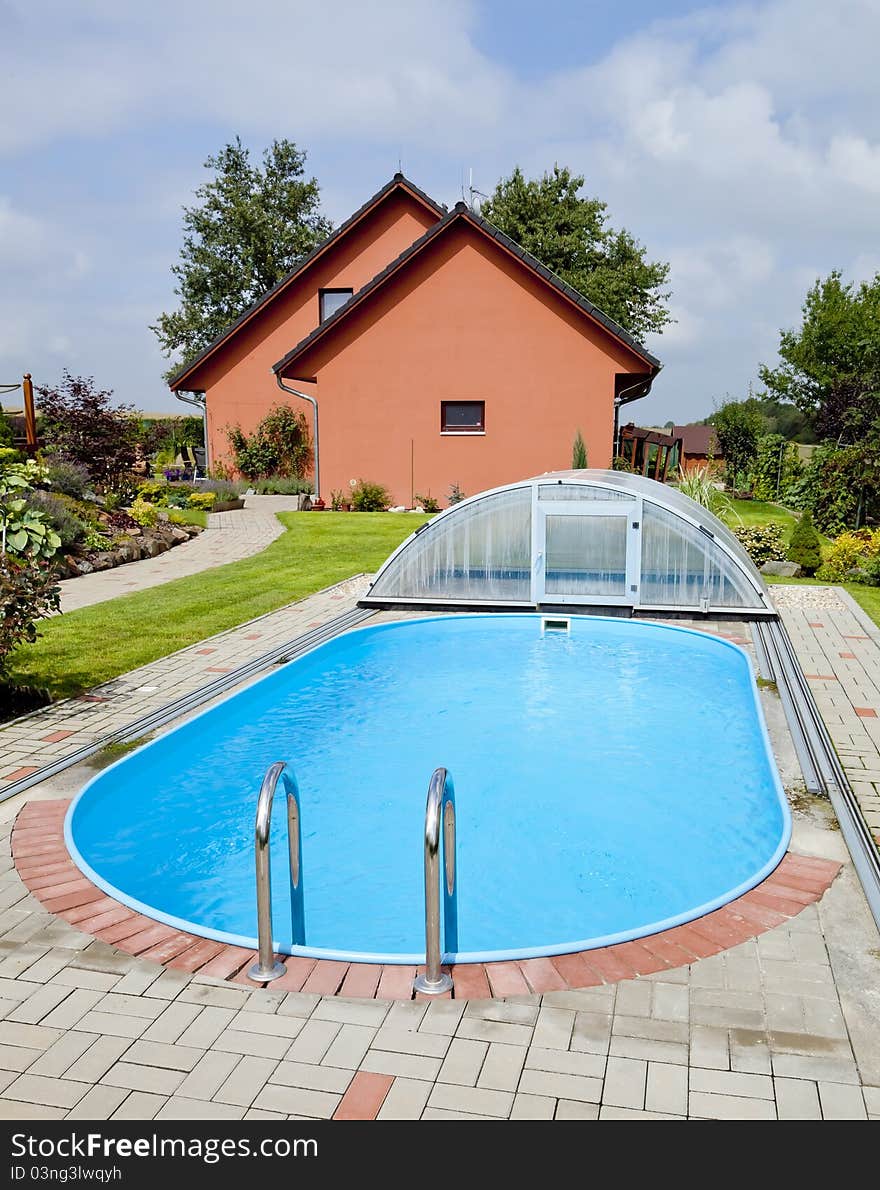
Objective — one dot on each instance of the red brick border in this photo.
(47, 870)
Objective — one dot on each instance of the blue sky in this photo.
(738, 141)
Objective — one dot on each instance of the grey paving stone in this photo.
(295, 1100)
(634, 998)
(502, 1067)
(405, 1100)
(842, 1102)
(54, 1061)
(575, 1109)
(649, 1051)
(178, 1108)
(98, 1103)
(667, 1089)
(211, 1072)
(475, 1029)
(39, 1004)
(797, 1099)
(442, 1017)
(407, 1065)
(18, 1057)
(349, 1046)
(351, 1012)
(463, 1061)
(560, 1086)
(206, 1027)
(609, 1112)
(403, 1041)
(625, 1080)
(729, 1082)
(820, 1069)
(729, 1107)
(312, 1078)
(167, 1057)
(592, 1032)
(505, 1012)
(54, 1092)
(255, 1045)
(18, 1109)
(553, 1028)
(139, 1105)
(473, 1100)
(37, 1037)
(533, 1107)
(267, 1023)
(564, 1062)
(142, 1078)
(70, 1012)
(172, 1022)
(98, 1058)
(127, 1005)
(314, 1040)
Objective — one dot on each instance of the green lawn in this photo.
(86, 647)
(759, 512)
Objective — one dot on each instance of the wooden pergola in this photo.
(648, 452)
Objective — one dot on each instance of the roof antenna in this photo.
(473, 193)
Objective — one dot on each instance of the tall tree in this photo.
(569, 233)
(250, 227)
(830, 364)
(738, 426)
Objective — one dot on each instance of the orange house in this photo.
(428, 349)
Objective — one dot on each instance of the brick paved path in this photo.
(230, 536)
(839, 651)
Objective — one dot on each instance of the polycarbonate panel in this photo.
(585, 555)
(681, 566)
(571, 491)
(481, 551)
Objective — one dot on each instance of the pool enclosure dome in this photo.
(580, 538)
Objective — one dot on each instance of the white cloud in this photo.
(739, 142)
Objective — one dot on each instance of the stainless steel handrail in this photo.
(439, 812)
(267, 966)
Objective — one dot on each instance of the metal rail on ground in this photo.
(823, 766)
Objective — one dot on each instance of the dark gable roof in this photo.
(697, 440)
(398, 181)
(462, 211)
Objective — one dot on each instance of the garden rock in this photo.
(782, 569)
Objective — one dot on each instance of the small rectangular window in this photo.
(462, 417)
(330, 300)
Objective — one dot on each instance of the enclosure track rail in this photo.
(290, 650)
(811, 735)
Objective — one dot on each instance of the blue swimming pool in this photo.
(610, 781)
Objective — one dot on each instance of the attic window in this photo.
(331, 300)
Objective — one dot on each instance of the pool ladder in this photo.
(439, 827)
(439, 834)
(267, 966)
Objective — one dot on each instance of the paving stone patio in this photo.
(779, 1026)
(229, 537)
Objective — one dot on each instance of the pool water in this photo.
(610, 782)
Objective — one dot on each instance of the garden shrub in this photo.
(146, 514)
(9, 454)
(844, 555)
(28, 592)
(280, 485)
(369, 497)
(203, 500)
(280, 445)
(153, 491)
(775, 468)
(68, 478)
(805, 548)
(70, 528)
(763, 543)
(456, 495)
(6, 435)
(871, 570)
(225, 490)
(79, 422)
(24, 531)
(428, 503)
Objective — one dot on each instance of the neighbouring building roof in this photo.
(462, 213)
(398, 182)
(697, 440)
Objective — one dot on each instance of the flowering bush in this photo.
(146, 514)
(763, 543)
(848, 552)
(28, 592)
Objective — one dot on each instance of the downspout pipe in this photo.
(197, 398)
(295, 392)
(633, 392)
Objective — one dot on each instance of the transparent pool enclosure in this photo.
(585, 538)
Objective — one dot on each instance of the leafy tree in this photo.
(250, 227)
(578, 452)
(569, 233)
(805, 548)
(738, 426)
(830, 365)
(776, 467)
(280, 445)
(80, 423)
